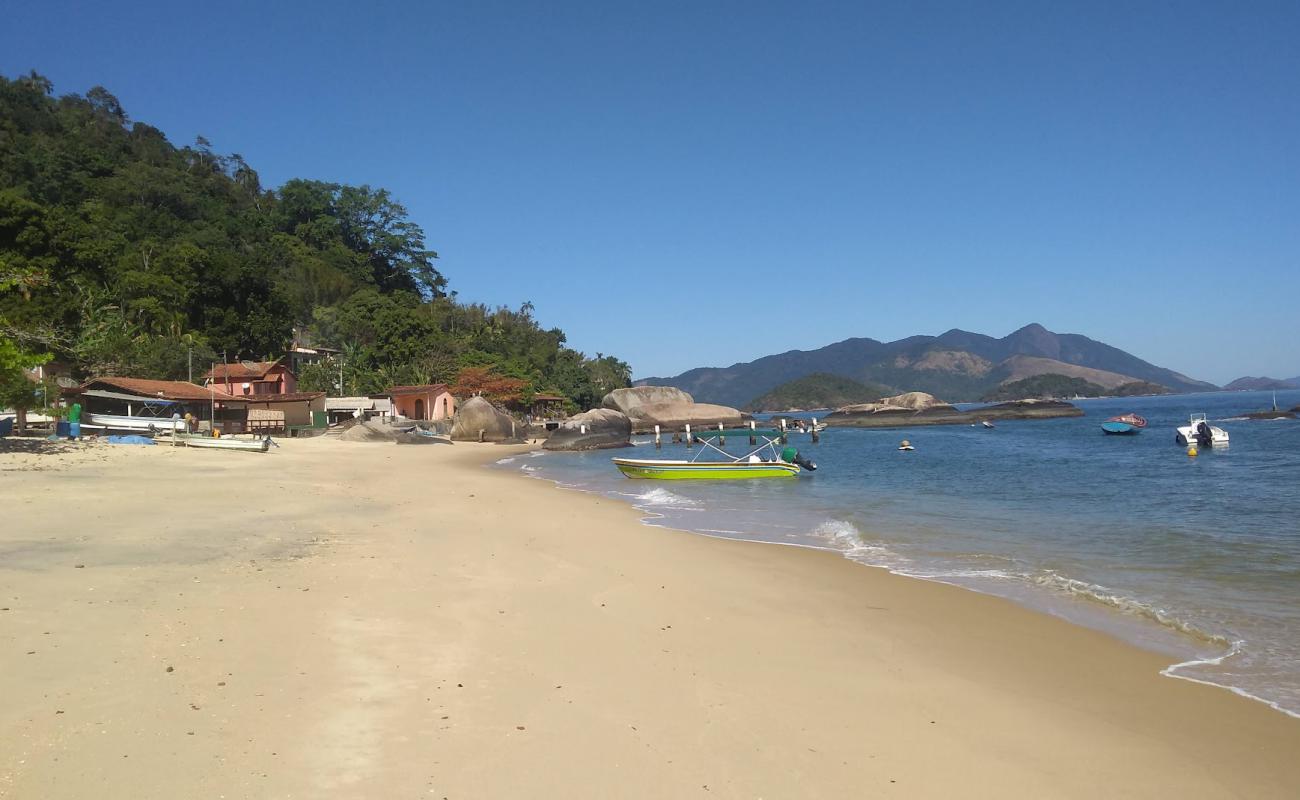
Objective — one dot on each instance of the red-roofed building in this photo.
(247, 378)
(431, 401)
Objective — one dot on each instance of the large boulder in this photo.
(669, 408)
(477, 415)
(598, 429)
(908, 401)
(629, 401)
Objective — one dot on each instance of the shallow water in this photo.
(1198, 558)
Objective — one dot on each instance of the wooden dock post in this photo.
(784, 439)
(688, 436)
(753, 437)
(722, 438)
(659, 444)
(677, 437)
(816, 437)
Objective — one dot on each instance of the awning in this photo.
(134, 398)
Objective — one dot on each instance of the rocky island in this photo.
(918, 408)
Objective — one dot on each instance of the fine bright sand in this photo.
(376, 621)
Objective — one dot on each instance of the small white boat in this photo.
(225, 442)
(1201, 432)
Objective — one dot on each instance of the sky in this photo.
(697, 183)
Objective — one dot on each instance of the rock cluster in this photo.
(597, 429)
(669, 408)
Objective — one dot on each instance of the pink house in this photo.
(252, 377)
(431, 401)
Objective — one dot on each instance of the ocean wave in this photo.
(839, 532)
(1108, 597)
(661, 498)
(509, 460)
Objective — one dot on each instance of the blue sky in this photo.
(1128, 171)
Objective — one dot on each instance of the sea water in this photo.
(1196, 558)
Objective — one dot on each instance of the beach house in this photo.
(248, 378)
(432, 401)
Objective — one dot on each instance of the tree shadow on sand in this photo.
(31, 445)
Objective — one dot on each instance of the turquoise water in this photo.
(1197, 558)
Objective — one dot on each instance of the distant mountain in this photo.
(819, 390)
(1260, 384)
(956, 366)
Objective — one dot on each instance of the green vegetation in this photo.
(819, 390)
(123, 254)
(1138, 389)
(1049, 385)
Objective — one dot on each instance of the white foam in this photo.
(509, 460)
(1171, 671)
(662, 498)
(841, 533)
(1109, 597)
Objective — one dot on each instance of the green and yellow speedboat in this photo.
(786, 463)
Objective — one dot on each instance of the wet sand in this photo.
(369, 620)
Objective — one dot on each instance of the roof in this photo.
(168, 390)
(428, 388)
(362, 403)
(287, 397)
(244, 370)
(547, 398)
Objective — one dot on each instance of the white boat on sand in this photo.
(260, 445)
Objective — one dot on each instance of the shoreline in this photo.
(395, 620)
(1229, 648)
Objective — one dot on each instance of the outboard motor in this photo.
(792, 456)
(1203, 435)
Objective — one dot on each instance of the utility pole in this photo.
(189, 358)
(340, 377)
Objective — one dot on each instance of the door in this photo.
(419, 409)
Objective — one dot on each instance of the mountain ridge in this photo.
(957, 365)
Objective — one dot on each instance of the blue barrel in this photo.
(74, 430)
(62, 429)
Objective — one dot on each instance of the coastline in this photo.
(1101, 611)
(364, 620)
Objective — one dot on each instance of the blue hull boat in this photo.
(1124, 425)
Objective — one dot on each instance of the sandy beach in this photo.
(368, 620)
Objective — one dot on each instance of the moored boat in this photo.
(1124, 424)
(1201, 432)
(764, 461)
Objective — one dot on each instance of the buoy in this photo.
(906, 445)
(1191, 450)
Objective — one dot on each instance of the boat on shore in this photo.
(260, 445)
(764, 461)
(1199, 431)
(1124, 425)
(132, 423)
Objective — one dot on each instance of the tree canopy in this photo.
(121, 253)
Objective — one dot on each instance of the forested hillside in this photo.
(124, 254)
(819, 390)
